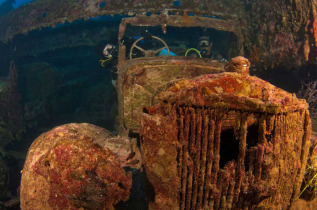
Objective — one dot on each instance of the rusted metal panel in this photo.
(141, 80)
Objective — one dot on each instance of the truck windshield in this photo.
(192, 41)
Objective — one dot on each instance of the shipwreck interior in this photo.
(52, 75)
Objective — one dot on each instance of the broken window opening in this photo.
(229, 147)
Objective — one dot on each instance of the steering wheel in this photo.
(148, 53)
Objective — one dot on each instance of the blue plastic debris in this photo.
(164, 52)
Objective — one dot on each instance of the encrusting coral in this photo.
(69, 167)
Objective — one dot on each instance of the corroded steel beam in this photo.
(181, 21)
(45, 13)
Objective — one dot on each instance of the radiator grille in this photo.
(198, 160)
(245, 180)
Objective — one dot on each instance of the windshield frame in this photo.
(184, 20)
